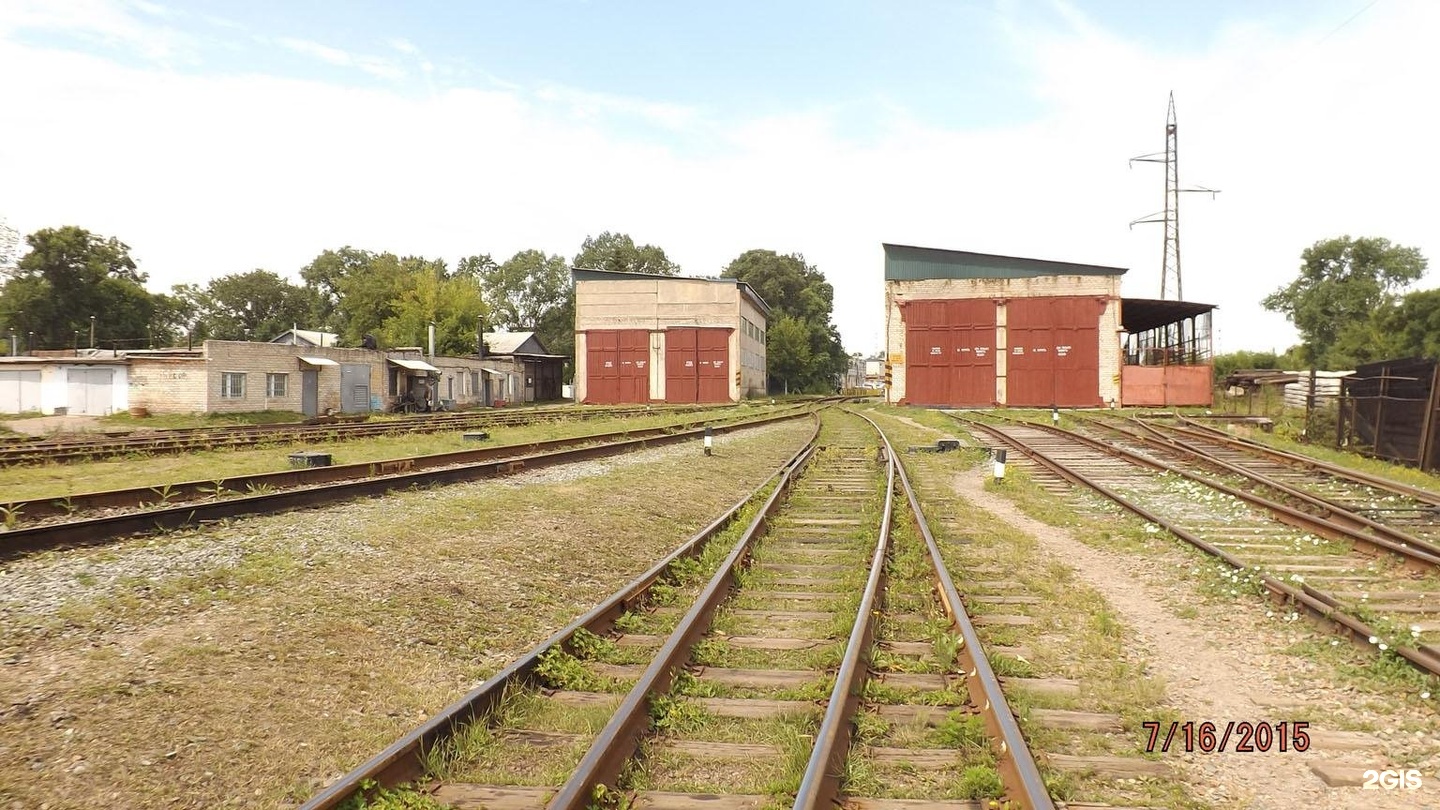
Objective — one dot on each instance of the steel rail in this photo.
(245, 436)
(1334, 512)
(190, 490)
(1192, 428)
(100, 529)
(1424, 555)
(820, 784)
(401, 761)
(1019, 772)
(1424, 657)
(620, 739)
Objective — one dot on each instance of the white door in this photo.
(89, 391)
(19, 391)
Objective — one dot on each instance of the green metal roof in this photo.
(909, 263)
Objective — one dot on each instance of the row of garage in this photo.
(78, 390)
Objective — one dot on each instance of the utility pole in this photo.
(1170, 216)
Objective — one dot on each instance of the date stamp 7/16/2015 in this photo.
(1241, 737)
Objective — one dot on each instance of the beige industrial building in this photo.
(976, 330)
(648, 338)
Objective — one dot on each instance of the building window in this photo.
(232, 385)
(474, 383)
(276, 384)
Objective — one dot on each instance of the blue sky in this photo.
(280, 129)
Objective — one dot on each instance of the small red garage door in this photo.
(697, 365)
(1054, 352)
(617, 366)
(950, 352)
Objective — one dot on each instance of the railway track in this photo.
(1400, 504)
(155, 509)
(1381, 592)
(731, 675)
(1330, 495)
(191, 439)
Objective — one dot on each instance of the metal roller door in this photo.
(88, 391)
(1054, 352)
(617, 366)
(19, 391)
(696, 363)
(950, 352)
(354, 388)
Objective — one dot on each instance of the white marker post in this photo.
(1055, 417)
(709, 440)
(999, 463)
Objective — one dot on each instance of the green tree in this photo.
(1343, 284)
(1412, 328)
(618, 252)
(453, 304)
(69, 275)
(325, 275)
(788, 353)
(258, 305)
(532, 291)
(180, 315)
(524, 288)
(799, 292)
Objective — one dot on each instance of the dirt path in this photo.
(1218, 666)
(45, 425)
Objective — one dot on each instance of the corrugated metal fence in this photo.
(1391, 407)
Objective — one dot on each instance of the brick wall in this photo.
(168, 384)
(256, 360)
(941, 288)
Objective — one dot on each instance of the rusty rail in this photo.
(820, 784)
(619, 740)
(1024, 786)
(1422, 555)
(401, 761)
(1333, 510)
(165, 494)
(1423, 657)
(100, 529)
(183, 440)
(1190, 427)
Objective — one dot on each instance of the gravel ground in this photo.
(247, 665)
(1225, 664)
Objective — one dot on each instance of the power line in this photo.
(1170, 216)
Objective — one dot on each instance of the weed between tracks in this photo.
(59, 481)
(364, 618)
(1071, 633)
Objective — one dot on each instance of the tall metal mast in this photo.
(1170, 217)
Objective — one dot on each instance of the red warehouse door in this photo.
(950, 352)
(682, 380)
(1054, 352)
(697, 365)
(617, 366)
(712, 348)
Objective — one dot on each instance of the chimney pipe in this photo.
(432, 341)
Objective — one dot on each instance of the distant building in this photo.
(307, 337)
(648, 338)
(541, 374)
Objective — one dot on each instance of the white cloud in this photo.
(103, 22)
(378, 67)
(207, 175)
